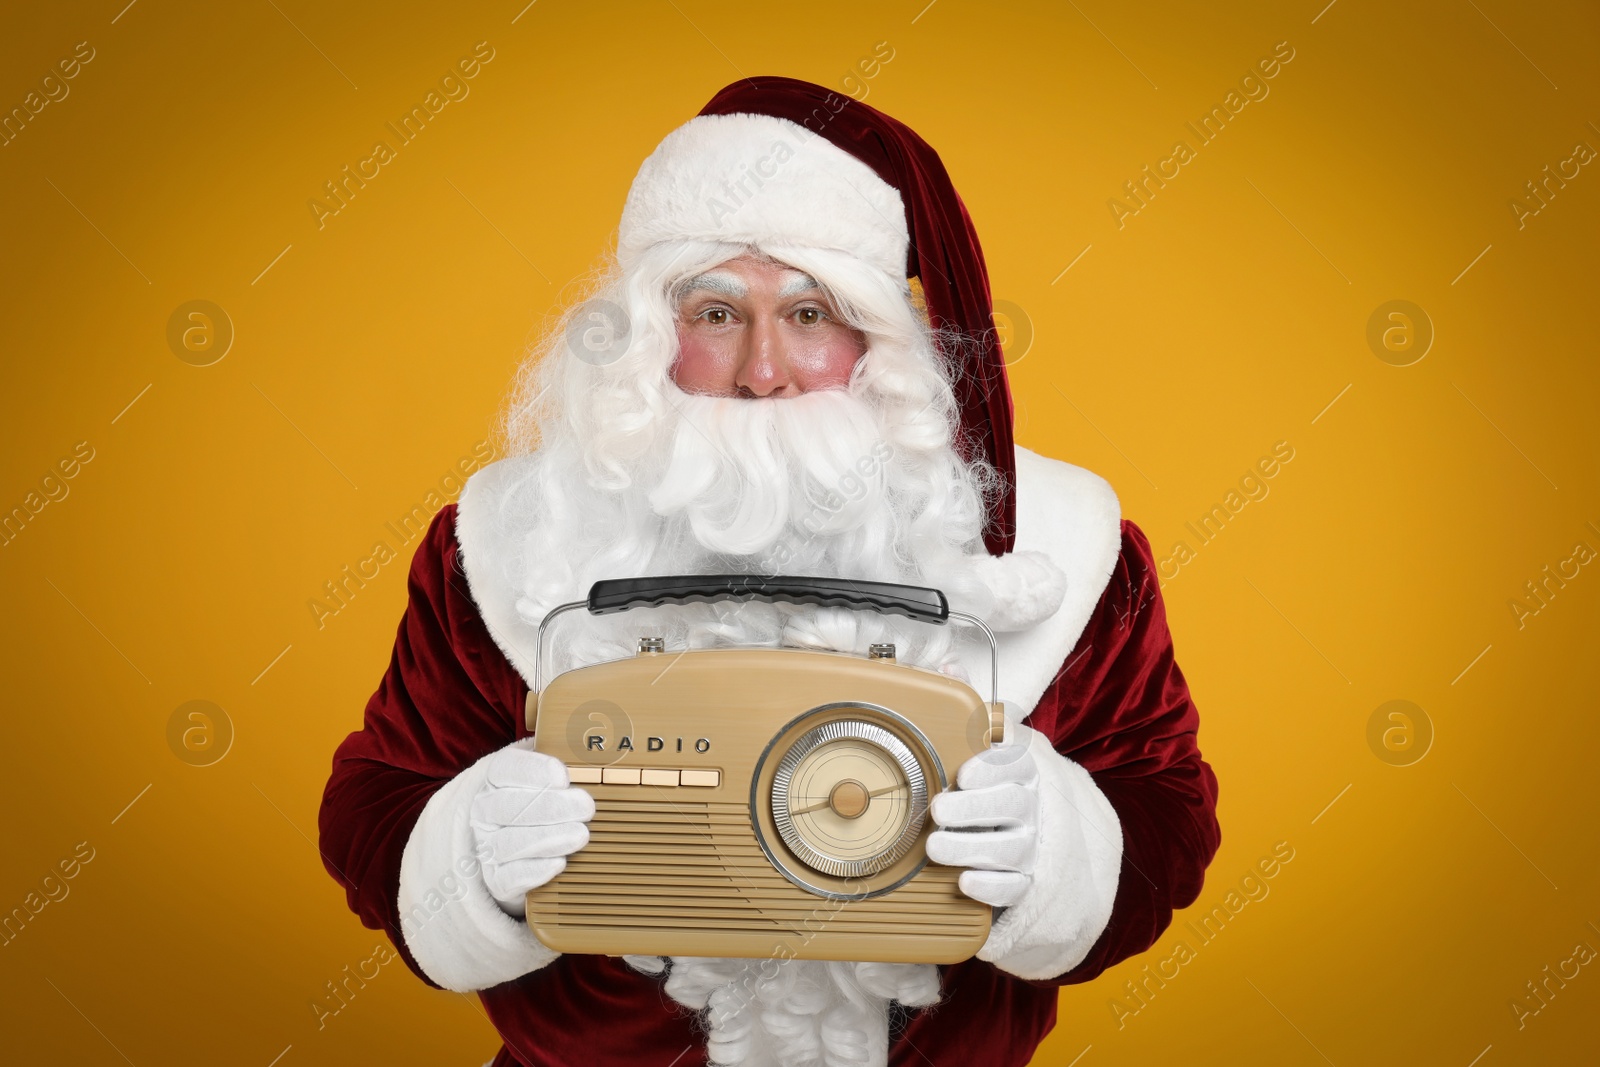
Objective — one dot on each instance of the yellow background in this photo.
(1224, 317)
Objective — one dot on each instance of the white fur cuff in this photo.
(454, 928)
(1068, 903)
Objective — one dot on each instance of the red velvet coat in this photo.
(1119, 707)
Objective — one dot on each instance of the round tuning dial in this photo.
(849, 798)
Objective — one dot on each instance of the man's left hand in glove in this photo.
(1041, 844)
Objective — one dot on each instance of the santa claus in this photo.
(791, 369)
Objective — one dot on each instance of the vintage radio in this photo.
(760, 802)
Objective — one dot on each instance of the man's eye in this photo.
(716, 316)
(809, 316)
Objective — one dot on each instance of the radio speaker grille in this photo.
(690, 879)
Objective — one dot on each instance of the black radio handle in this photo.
(912, 601)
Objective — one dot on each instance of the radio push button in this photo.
(657, 776)
(703, 779)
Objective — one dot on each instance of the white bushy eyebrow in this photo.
(720, 282)
(798, 283)
(732, 286)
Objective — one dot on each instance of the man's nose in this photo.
(764, 364)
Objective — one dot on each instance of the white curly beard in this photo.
(794, 1013)
(819, 484)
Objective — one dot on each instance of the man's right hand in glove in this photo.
(527, 818)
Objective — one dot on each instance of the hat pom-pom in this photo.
(1025, 588)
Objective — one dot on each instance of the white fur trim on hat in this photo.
(758, 179)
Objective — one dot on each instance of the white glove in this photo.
(527, 818)
(1040, 841)
(990, 823)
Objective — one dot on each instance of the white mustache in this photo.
(745, 471)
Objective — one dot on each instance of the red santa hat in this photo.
(834, 173)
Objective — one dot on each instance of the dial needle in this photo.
(826, 803)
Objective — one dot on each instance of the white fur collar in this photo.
(1072, 516)
(1064, 512)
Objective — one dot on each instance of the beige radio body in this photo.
(760, 803)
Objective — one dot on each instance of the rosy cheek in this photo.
(698, 368)
(838, 361)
